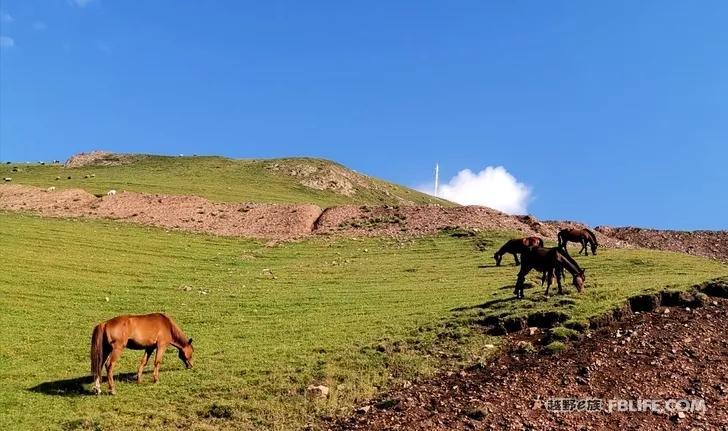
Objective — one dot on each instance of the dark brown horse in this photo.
(516, 247)
(582, 236)
(552, 262)
(148, 332)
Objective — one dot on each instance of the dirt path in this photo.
(674, 354)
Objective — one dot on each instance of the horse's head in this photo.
(594, 248)
(185, 354)
(497, 258)
(579, 279)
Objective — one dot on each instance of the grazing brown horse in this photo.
(516, 247)
(552, 262)
(582, 236)
(142, 332)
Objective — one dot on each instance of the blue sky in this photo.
(608, 112)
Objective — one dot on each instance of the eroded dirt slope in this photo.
(675, 354)
(278, 221)
(275, 221)
(703, 243)
(285, 221)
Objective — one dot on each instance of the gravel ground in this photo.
(672, 353)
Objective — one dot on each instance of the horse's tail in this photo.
(559, 239)
(97, 350)
(540, 242)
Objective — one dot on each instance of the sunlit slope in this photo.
(290, 180)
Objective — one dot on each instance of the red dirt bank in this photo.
(680, 354)
(272, 221)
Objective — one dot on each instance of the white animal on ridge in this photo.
(51, 188)
(7, 179)
(111, 193)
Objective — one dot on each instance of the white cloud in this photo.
(6, 42)
(6, 17)
(81, 3)
(492, 187)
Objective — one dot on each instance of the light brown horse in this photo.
(582, 236)
(516, 247)
(148, 332)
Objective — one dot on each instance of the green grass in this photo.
(355, 315)
(216, 178)
(555, 347)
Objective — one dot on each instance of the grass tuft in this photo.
(555, 347)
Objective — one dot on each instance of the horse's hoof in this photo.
(113, 392)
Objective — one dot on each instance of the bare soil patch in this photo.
(332, 177)
(713, 244)
(672, 353)
(414, 219)
(285, 221)
(275, 221)
(98, 158)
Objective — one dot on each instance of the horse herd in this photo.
(551, 262)
(156, 332)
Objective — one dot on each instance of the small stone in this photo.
(363, 410)
(317, 391)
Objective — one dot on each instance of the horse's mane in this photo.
(177, 334)
(569, 263)
(593, 237)
(504, 249)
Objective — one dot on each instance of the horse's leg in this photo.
(558, 282)
(583, 247)
(115, 355)
(549, 276)
(106, 349)
(143, 364)
(158, 361)
(519, 284)
(515, 256)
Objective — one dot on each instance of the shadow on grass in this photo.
(503, 265)
(496, 303)
(77, 386)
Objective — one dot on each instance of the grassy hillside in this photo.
(355, 315)
(226, 180)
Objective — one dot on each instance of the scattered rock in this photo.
(317, 391)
